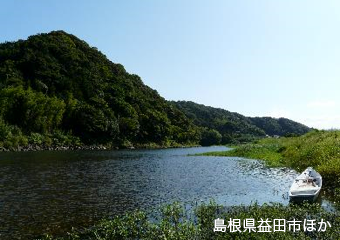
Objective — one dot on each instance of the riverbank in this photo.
(33, 147)
(319, 149)
(80, 146)
(308, 221)
(12, 138)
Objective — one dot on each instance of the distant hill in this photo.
(55, 89)
(235, 127)
(279, 126)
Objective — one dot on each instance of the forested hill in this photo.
(55, 89)
(279, 126)
(235, 127)
(56, 84)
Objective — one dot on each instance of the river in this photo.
(51, 191)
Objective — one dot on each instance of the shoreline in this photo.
(318, 149)
(35, 147)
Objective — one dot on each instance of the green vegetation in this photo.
(319, 149)
(268, 149)
(279, 127)
(236, 128)
(56, 85)
(174, 223)
(210, 137)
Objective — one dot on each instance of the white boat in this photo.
(306, 186)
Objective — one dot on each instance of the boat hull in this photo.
(306, 187)
(303, 197)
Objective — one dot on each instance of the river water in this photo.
(51, 191)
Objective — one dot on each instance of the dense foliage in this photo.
(58, 87)
(174, 222)
(280, 127)
(235, 127)
(56, 82)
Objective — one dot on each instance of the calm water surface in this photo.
(49, 192)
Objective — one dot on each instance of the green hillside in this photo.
(280, 126)
(56, 83)
(56, 90)
(235, 127)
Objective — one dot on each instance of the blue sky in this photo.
(259, 58)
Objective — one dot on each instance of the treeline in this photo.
(280, 126)
(222, 126)
(57, 90)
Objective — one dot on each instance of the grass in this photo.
(268, 152)
(319, 149)
(174, 222)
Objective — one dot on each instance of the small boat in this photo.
(306, 186)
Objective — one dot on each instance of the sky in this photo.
(258, 58)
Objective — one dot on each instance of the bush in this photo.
(210, 137)
(36, 138)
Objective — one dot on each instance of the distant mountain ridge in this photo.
(56, 89)
(236, 127)
(279, 126)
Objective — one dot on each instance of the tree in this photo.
(32, 111)
(210, 137)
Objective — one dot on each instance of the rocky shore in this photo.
(33, 147)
